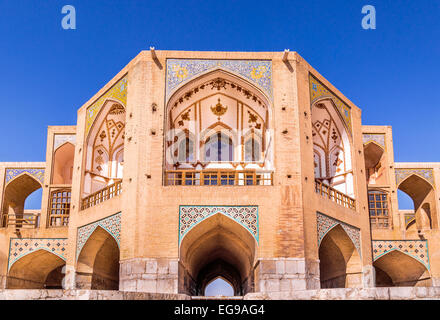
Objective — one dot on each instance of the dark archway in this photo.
(38, 270)
(98, 262)
(217, 247)
(397, 269)
(340, 264)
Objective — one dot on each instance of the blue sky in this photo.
(391, 73)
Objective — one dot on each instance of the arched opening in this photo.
(374, 169)
(215, 112)
(332, 148)
(22, 202)
(63, 164)
(217, 247)
(105, 148)
(423, 197)
(397, 269)
(219, 287)
(340, 264)
(98, 262)
(40, 269)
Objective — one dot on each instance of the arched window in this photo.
(252, 150)
(378, 205)
(219, 147)
(186, 151)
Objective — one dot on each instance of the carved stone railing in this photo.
(218, 177)
(334, 195)
(22, 221)
(102, 195)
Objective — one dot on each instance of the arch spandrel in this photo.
(35, 173)
(404, 173)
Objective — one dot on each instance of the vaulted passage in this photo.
(98, 262)
(218, 247)
(38, 270)
(396, 269)
(340, 263)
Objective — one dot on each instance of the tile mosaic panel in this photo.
(374, 137)
(111, 224)
(11, 174)
(60, 139)
(117, 92)
(258, 72)
(409, 217)
(20, 247)
(190, 216)
(326, 223)
(318, 91)
(402, 174)
(418, 249)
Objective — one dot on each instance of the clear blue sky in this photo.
(391, 73)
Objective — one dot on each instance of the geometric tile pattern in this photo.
(418, 249)
(402, 174)
(20, 247)
(379, 138)
(63, 138)
(111, 224)
(36, 173)
(258, 72)
(117, 92)
(326, 223)
(319, 91)
(190, 216)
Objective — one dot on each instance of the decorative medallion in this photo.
(111, 224)
(219, 109)
(378, 138)
(418, 249)
(117, 92)
(326, 223)
(190, 216)
(402, 174)
(319, 91)
(38, 174)
(20, 247)
(258, 72)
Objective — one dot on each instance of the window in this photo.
(251, 150)
(378, 204)
(186, 151)
(219, 147)
(59, 208)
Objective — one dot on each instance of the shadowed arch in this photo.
(396, 268)
(37, 270)
(217, 246)
(340, 263)
(98, 262)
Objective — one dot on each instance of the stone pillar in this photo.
(69, 281)
(369, 276)
(280, 274)
(312, 275)
(149, 275)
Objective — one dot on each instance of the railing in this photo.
(334, 195)
(22, 221)
(218, 177)
(102, 195)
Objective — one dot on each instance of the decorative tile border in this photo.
(258, 72)
(61, 139)
(417, 249)
(111, 224)
(38, 174)
(117, 92)
(20, 247)
(402, 174)
(326, 223)
(190, 216)
(319, 90)
(378, 138)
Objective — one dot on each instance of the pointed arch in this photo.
(63, 157)
(217, 246)
(36, 270)
(98, 262)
